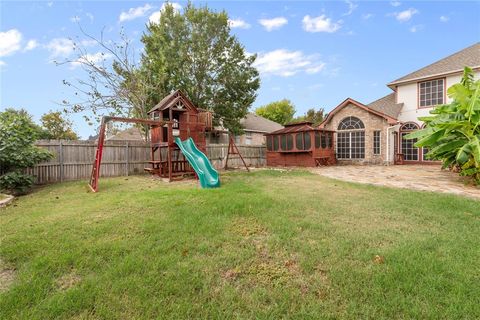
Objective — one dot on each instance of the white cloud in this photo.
(31, 44)
(75, 19)
(395, 3)
(2, 63)
(10, 42)
(320, 24)
(405, 15)
(238, 23)
(155, 17)
(95, 58)
(90, 16)
(351, 7)
(287, 63)
(50, 3)
(60, 47)
(416, 28)
(444, 18)
(274, 23)
(367, 16)
(134, 13)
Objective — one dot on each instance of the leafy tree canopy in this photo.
(312, 115)
(57, 127)
(279, 111)
(195, 52)
(17, 151)
(452, 132)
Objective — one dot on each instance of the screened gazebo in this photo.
(300, 144)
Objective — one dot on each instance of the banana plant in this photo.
(452, 131)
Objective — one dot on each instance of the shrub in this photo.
(17, 151)
(452, 132)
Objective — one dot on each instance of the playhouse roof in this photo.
(297, 127)
(171, 99)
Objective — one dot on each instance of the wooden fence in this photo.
(73, 159)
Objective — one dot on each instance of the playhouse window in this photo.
(329, 140)
(289, 142)
(283, 142)
(299, 141)
(317, 139)
(307, 140)
(324, 140)
(269, 143)
(275, 143)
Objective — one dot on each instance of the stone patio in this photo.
(418, 177)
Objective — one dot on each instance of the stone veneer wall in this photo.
(372, 123)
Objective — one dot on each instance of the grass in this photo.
(265, 245)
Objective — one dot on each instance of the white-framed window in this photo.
(376, 142)
(431, 93)
(410, 152)
(351, 139)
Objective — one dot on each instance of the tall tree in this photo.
(57, 127)
(279, 111)
(195, 52)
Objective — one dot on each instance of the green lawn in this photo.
(266, 245)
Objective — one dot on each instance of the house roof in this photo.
(469, 56)
(368, 108)
(256, 123)
(131, 134)
(170, 100)
(387, 105)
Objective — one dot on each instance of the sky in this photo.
(314, 53)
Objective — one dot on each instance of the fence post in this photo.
(60, 158)
(126, 159)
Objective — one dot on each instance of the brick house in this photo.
(372, 133)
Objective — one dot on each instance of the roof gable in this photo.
(455, 62)
(346, 102)
(171, 99)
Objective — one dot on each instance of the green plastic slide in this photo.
(198, 160)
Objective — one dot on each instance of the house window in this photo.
(248, 138)
(376, 142)
(410, 152)
(431, 93)
(351, 139)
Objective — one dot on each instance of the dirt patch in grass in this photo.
(68, 280)
(7, 276)
(247, 227)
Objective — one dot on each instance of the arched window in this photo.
(351, 139)
(351, 123)
(410, 152)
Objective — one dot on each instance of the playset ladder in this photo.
(98, 159)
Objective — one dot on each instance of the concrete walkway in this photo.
(418, 177)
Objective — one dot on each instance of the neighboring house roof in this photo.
(346, 102)
(256, 123)
(131, 134)
(387, 105)
(454, 63)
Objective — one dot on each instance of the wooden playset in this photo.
(177, 141)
